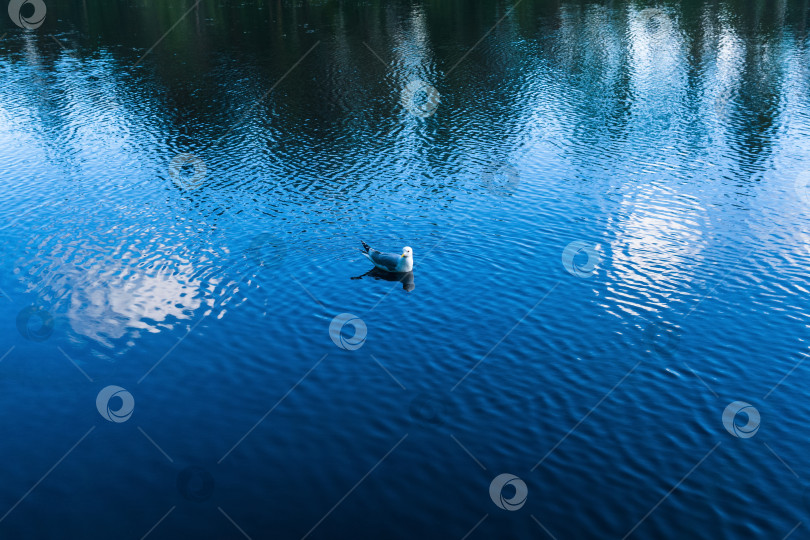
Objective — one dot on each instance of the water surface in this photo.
(185, 190)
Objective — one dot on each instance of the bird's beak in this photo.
(402, 255)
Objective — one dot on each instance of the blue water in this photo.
(608, 209)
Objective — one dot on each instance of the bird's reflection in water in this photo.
(406, 278)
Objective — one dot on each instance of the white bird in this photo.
(390, 262)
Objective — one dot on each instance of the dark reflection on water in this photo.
(184, 189)
(406, 278)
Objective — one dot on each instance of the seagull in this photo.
(390, 262)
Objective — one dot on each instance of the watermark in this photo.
(653, 19)
(266, 250)
(420, 99)
(35, 323)
(721, 103)
(517, 500)
(195, 484)
(730, 416)
(662, 338)
(502, 180)
(336, 331)
(31, 22)
(802, 186)
(107, 104)
(187, 171)
(429, 410)
(125, 408)
(576, 248)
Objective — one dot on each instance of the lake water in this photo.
(609, 208)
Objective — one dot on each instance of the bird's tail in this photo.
(365, 246)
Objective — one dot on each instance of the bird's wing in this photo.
(386, 261)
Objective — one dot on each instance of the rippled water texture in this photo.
(608, 207)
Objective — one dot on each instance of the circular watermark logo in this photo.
(115, 404)
(516, 501)
(730, 415)
(662, 338)
(266, 250)
(187, 171)
(575, 249)
(653, 19)
(336, 331)
(502, 180)
(33, 21)
(35, 323)
(802, 186)
(420, 99)
(721, 103)
(428, 410)
(195, 484)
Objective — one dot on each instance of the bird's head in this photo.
(407, 252)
